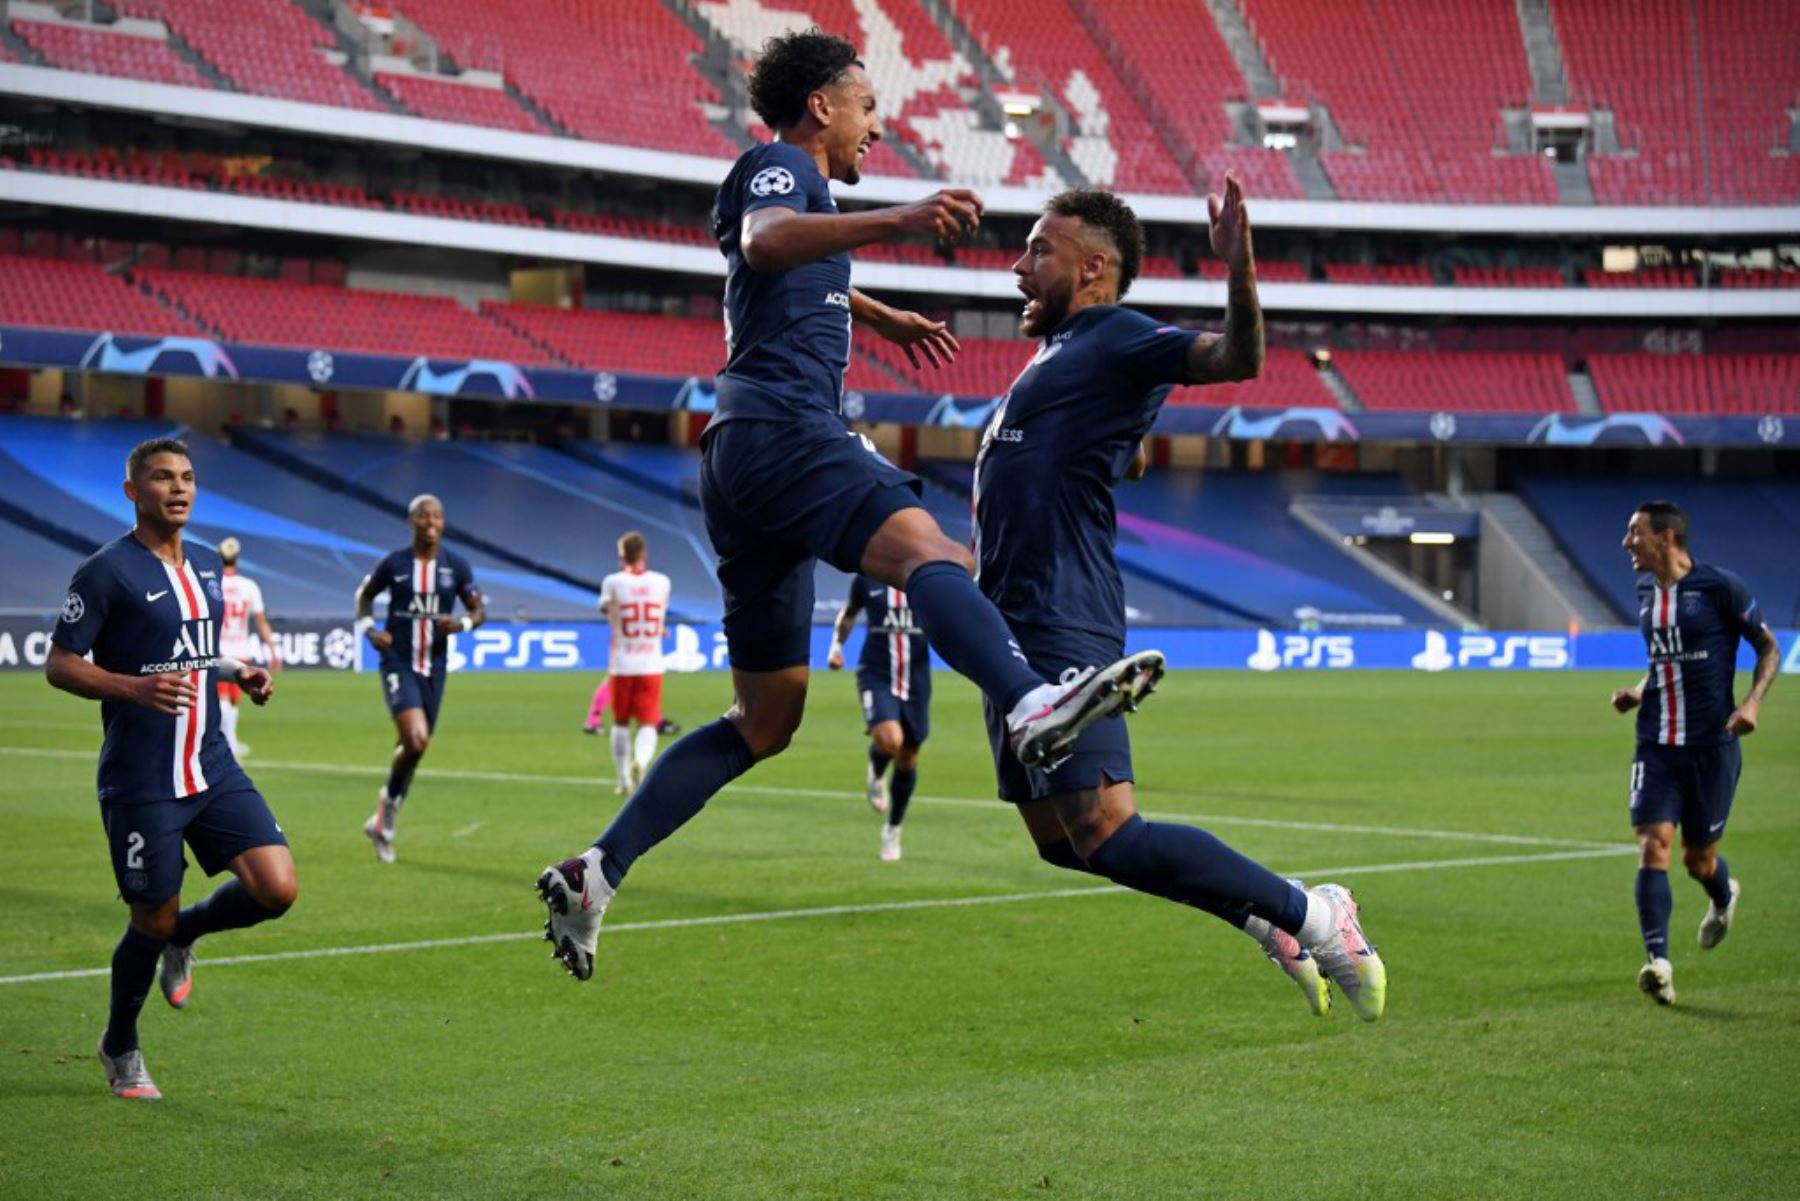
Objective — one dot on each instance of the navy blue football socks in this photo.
(1190, 866)
(878, 761)
(1655, 902)
(963, 626)
(1719, 886)
(133, 968)
(900, 792)
(400, 779)
(230, 907)
(680, 782)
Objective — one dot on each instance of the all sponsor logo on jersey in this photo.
(838, 300)
(772, 181)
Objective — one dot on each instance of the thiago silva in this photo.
(784, 482)
(1062, 438)
(423, 582)
(1688, 759)
(146, 608)
(893, 682)
(635, 601)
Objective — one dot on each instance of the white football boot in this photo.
(1717, 922)
(1656, 980)
(380, 827)
(890, 844)
(1047, 720)
(1347, 957)
(878, 791)
(1296, 962)
(576, 894)
(127, 1076)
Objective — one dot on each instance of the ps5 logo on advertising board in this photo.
(548, 649)
(1330, 651)
(1534, 652)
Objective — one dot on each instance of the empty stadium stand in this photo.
(275, 313)
(1733, 384)
(59, 294)
(598, 341)
(1228, 539)
(1732, 524)
(1183, 65)
(102, 52)
(616, 72)
(267, 47)
(1467, 382)
(466, 104)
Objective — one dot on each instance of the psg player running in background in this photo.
(783, 481)
(1688, 759)
(1061, 439)
(147, 608)
(423, 582)
(893, 684)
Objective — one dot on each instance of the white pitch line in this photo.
(465, 831)
(596, 782)
(777, 915)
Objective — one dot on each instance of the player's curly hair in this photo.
(1102, 209)
(793, 67)
(143, 451)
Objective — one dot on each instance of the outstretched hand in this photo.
(1230, 224)
(919, 336)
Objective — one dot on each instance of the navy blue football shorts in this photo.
(1103, 752)
(776, 496)
(1693, 785)
(219, 824)
(879, 704)
(403, 688)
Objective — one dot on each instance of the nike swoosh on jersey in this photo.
(156, 596)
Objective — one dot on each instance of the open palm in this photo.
(1230, 223)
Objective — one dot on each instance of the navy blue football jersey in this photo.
(419, 592)
(894, 654)
(140, 615)
(1691, 631)
(787, 333)
(1057, 445)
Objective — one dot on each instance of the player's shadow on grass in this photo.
(468, 869)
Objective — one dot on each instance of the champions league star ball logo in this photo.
(606, 387)
(73, 608)
(1770, 429)
(772, 181)
(319, 365)
(340, 649)
(212, 590)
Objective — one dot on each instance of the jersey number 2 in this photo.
(134, 851)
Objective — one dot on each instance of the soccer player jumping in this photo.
(147, 608)
(1688, 759)
(1064, 435)
(783, 482)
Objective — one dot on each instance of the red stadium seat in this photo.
(103, 52)
(464, 103)
(60, 294)
(267, 47)
(1703, 385)
(1468, 382)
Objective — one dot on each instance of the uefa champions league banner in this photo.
(492, 379)
(581, 646)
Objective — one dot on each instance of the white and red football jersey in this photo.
(641, 599)
(242, 599)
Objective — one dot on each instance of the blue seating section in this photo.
(552, 509)
(307, 546)
(1749, 527)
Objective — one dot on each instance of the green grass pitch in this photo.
(907, 1041)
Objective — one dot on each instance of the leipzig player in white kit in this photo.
(636, 601)
(243, 604)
